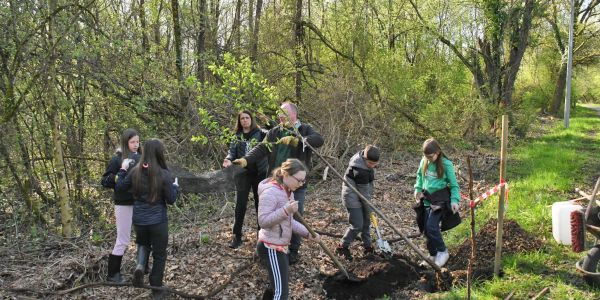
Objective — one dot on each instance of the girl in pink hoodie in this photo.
(276, 208)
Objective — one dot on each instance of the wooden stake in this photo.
(500, 225)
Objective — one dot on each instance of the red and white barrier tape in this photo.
(487, 194)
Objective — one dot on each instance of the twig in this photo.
(544, 291)
(510, 295)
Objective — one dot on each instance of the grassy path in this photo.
(541, 171)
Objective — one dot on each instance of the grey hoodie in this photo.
(361, 177)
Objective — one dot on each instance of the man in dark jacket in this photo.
(283, 142)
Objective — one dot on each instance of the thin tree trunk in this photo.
(201, 42)
(250, 23)
(254, 40)
(54, 115)
(559, 90)
(145, 44)
(235, 29)
(177, 36)
(298, 38)
(216, 11)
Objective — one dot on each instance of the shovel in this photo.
(368, 203)
(349, 277)
(382, 244)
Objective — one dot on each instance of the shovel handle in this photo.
(298, 217)
(368, 203)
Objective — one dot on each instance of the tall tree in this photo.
(55, 118)
(584, 50)
(201, 41)
(500, 49)
(298, 43)
(255, 31)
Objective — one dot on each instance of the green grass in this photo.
(540, 171)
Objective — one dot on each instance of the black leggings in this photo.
(278, 266)
(155, 237)
(243, 186)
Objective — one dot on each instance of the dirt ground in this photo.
(200, 263)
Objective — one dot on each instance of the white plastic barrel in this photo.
(561, 221)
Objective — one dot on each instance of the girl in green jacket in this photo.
(436, 177)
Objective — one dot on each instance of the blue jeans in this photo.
(435, 242)
(299, 195)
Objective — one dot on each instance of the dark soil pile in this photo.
(381, 277)
(514, 240)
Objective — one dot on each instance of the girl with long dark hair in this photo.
(248, 134)
(153, 188)
(129, 149)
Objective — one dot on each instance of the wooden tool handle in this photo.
(314, 234)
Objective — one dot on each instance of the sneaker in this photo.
(442, 258)
(344, 251)
(293, 257)
(368, 250)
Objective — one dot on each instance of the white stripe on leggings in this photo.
(276, 275)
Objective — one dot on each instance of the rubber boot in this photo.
(114, 269)
(138, 274)
(159, 294)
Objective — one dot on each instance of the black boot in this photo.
(114, 269)
(268, 294)
(236, 242)
(142, 257)
(293, 256)
(159, 294)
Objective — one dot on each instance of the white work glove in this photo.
(454, 207)
(226, 163)
(176, 182)
(291, 207)
(125, 163)
(418, 196)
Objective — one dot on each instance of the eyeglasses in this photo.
(303, 181)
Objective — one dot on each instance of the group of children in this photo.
(143, 187)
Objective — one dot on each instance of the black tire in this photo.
(591, 264)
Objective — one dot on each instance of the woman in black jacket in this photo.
(153, 188)
(130, 148)
(248, 134)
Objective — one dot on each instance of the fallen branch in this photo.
(510, 295)
(542, 293)
(214, 292)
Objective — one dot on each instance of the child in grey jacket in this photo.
(360, 174)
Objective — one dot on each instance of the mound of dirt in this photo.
(381, 277)
(515, 239)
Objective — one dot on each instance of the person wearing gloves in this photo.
(130, 148)
(360, 173)
(283, 142)
(248, 134)
(276, 208)
(438, 191)
(153, 188)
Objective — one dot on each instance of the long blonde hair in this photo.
(289, 167)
